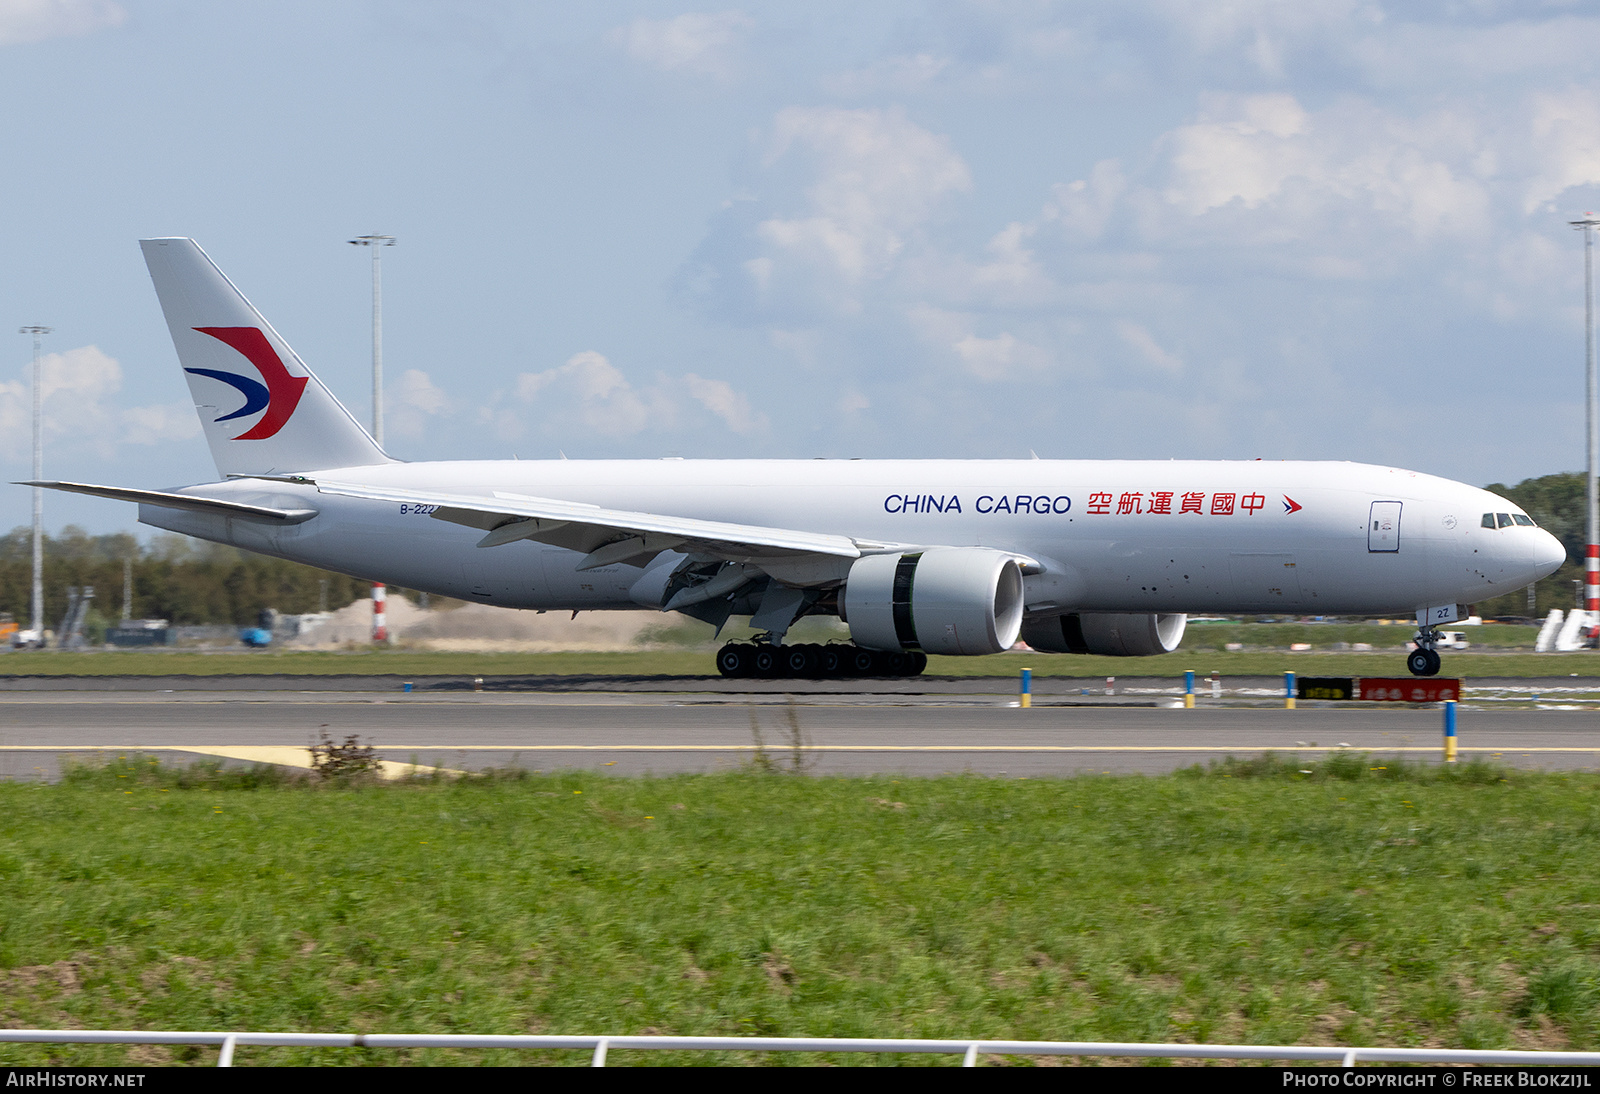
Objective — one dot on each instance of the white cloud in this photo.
(418, 391)
(1365, 184)
(1147, 347)
(86, 373)
(1247, 157)
(1084, 207)
(411, 402)
(596, 393)
(851, 208)
(852, 402)
(23, 21)
(155, 424)
(697, 42)
(76, 392)
(719, 397)
(1012, 264)
(1565, 134)
(79, 409)
(879, 177)
(1343, 213)
(606, 402)
(1001, 357)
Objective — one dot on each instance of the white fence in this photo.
(968, 1050)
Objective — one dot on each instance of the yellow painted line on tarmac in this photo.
(292, 756)
(958, 748)
(277, 755)
(260, 753)
(955, 748)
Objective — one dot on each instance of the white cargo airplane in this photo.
(915, 556)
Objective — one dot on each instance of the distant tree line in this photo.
(184, 580)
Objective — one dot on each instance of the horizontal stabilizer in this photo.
(188, 502)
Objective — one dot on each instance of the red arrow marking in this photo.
(1290, 505)
(283, 389)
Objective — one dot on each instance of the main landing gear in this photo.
(1425, 660)
(760, 659)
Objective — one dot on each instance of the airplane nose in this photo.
(1548, 553)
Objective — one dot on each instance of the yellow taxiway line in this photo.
(294, 756)
(277, 755)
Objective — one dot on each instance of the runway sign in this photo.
(1327, 687)
(1407, 689)
(1399, 689)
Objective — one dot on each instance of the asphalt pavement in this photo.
(666, 725)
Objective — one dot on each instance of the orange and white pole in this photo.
(1591, 577)
(380, 622)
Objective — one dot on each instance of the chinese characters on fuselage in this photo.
(1101, 503)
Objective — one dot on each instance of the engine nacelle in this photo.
(960, 600)
(1113, 634)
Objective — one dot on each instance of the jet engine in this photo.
(960, 600)
(1113, 634)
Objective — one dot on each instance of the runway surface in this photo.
(933, 727)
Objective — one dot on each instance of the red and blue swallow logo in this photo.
(278, 396)
(1290, 505)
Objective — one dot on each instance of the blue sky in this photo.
(1208, 229)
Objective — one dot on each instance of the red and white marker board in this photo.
(1407, 689)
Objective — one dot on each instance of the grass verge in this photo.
(1277, 900)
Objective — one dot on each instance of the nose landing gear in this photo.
(1425, 659)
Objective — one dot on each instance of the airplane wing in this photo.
(610, 536)
(188, 502)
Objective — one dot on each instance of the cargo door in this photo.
(1383, 527)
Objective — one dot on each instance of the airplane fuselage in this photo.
(1108, 536)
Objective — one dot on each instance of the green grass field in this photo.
(1274, 902)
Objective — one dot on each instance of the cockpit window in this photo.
(1504, 519)
(1488, 520)
(1523, 520)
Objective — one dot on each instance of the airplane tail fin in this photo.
(263, 411)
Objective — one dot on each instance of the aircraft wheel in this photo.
(734, 659)
(831, 660)
(919, 664)
(861, 662)
(1435, 663)
(766, 661)
(1422, 662)
(897, 664)
(800, 660)
(818, 652)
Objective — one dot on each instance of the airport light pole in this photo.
(37, 616)
(375, 244)
(1591, 561)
